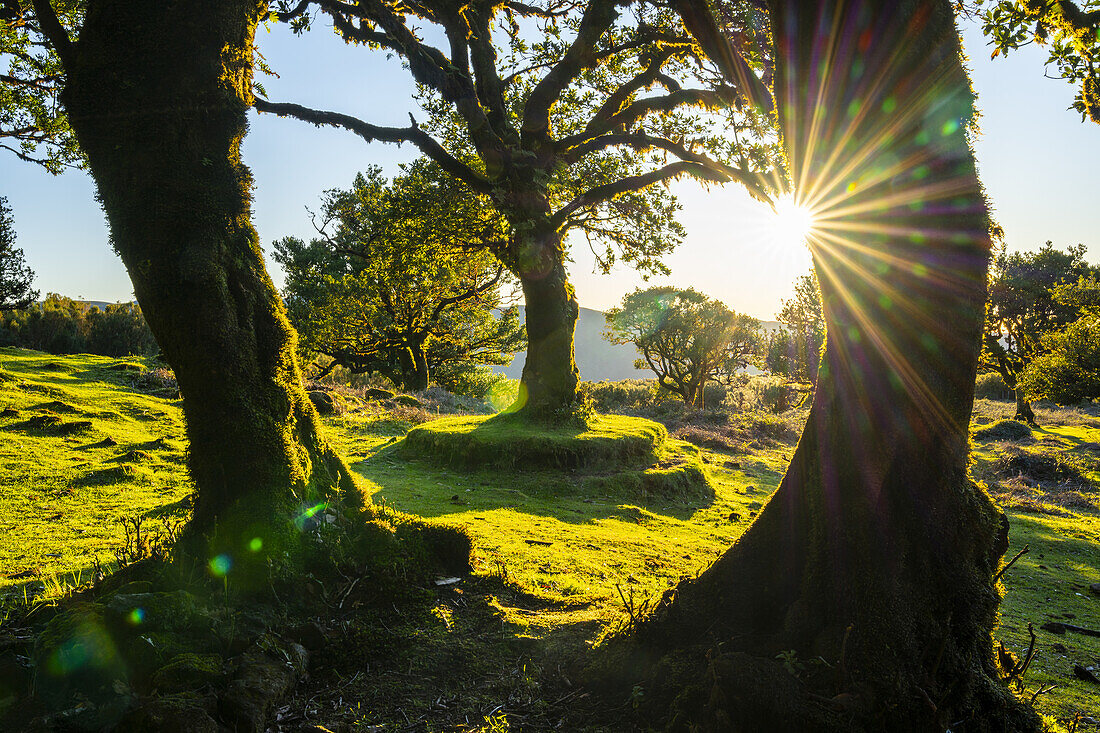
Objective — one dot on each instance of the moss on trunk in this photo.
(548, 385)
(877, 553)
(1024, 413)
(157, 94)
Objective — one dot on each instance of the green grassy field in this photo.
(562, 554)
(81, 449)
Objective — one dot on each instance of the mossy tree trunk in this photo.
(877, 553)
(157, 94)
(548, 385)
(1023, 407)
(414, 365)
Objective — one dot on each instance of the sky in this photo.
(1036, 158)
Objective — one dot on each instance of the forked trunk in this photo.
(877, 553)
(157, 94)
(548, 386)
(1024, 412)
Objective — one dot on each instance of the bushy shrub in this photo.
(60, 325)
(625, 394)
(773, 394)
(991, 386)
(471, 380)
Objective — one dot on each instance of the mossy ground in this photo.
(560, 554)
(63, 491)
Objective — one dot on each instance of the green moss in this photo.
(503, 441)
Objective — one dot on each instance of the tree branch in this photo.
(54, 32)
(608, 191)
(412, 134)
(701, 24)
(581, 54)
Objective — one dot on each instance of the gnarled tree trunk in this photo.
(548, 385)
(157, 94)
(1023, 407)
(877, 553)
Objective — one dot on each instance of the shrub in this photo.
(991, 386)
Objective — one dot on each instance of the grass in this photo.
(562, 553)
(505, 442)
(80, 450)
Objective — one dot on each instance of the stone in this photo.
(188, 671)
(260, 682)
(185, 713)
(377, 393)
(326, 402)
(75, 655)
(160, 611)
(407, 400)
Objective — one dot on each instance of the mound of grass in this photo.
(1041, 467)
(507, 442)
(120, 474)
(1004, 430)
(682, 481)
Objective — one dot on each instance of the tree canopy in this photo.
(566, 115)
(685, 338)
(1022, 308)
(16, 277)
(1070, 31)
(33, 124)
(399, 281)
(1068, 371)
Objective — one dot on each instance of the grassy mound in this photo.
(1004, 430)
(506, 442)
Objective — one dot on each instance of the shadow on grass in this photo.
(478, 651)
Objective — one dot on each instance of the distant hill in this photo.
(597, 358)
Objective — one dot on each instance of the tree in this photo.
(1022, 309)
(877, 553)
(15, 277)
(1069, 30)
(398, 283)
(32, 123)
(568, 116)
(1069, 369)
(805, 324)
(686, 338)
(157, 95)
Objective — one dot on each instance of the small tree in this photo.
(398, 282)
(15, 276)
(1069, 371)
(686, 338)
(1022, 309)
(805, 332)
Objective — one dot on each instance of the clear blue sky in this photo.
(1037, 160)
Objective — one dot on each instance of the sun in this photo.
(793, 223)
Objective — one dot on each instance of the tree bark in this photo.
(877, 552)
(157, 94)
(420, 376)
(548, 385)
(1024, 412)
